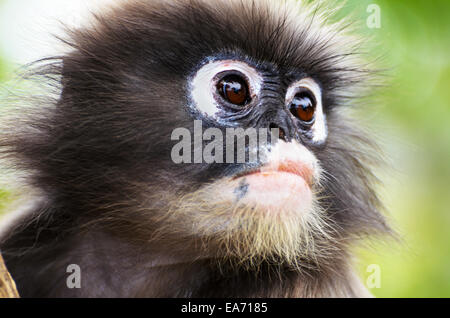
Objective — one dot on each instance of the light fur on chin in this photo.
(247, 234)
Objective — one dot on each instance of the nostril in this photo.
(282, 134)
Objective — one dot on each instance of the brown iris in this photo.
(234, 89)
(303, 106)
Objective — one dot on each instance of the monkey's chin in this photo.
(270, 215)
(275, 192)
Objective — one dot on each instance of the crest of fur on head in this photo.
(98, 155)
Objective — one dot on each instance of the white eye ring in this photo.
(318, 128)
(203, 86)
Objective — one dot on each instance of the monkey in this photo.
(103, 192)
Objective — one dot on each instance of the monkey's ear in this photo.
(7, 285)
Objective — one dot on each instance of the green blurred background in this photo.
(413, 121)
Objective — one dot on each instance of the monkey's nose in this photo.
(284, 184)
(294, 158)
(281, 134)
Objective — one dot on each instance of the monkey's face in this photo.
(153, 68)
(266, 207)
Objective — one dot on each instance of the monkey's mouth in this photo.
(295, 168)
(281, 186)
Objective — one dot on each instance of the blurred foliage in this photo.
(415, 117)
(414, 121)
(2, 69)
(4, 196)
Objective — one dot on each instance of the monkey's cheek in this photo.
(277, 192)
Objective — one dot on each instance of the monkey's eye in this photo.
(304, 101)
(221, 88)
(303, 106)
(234, 89)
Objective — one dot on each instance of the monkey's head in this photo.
(108, 152)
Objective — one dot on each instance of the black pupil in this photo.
(303, 106)
(234, 89)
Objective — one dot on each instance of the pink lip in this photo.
(284, 184)
(279, 190)
(296, 168)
